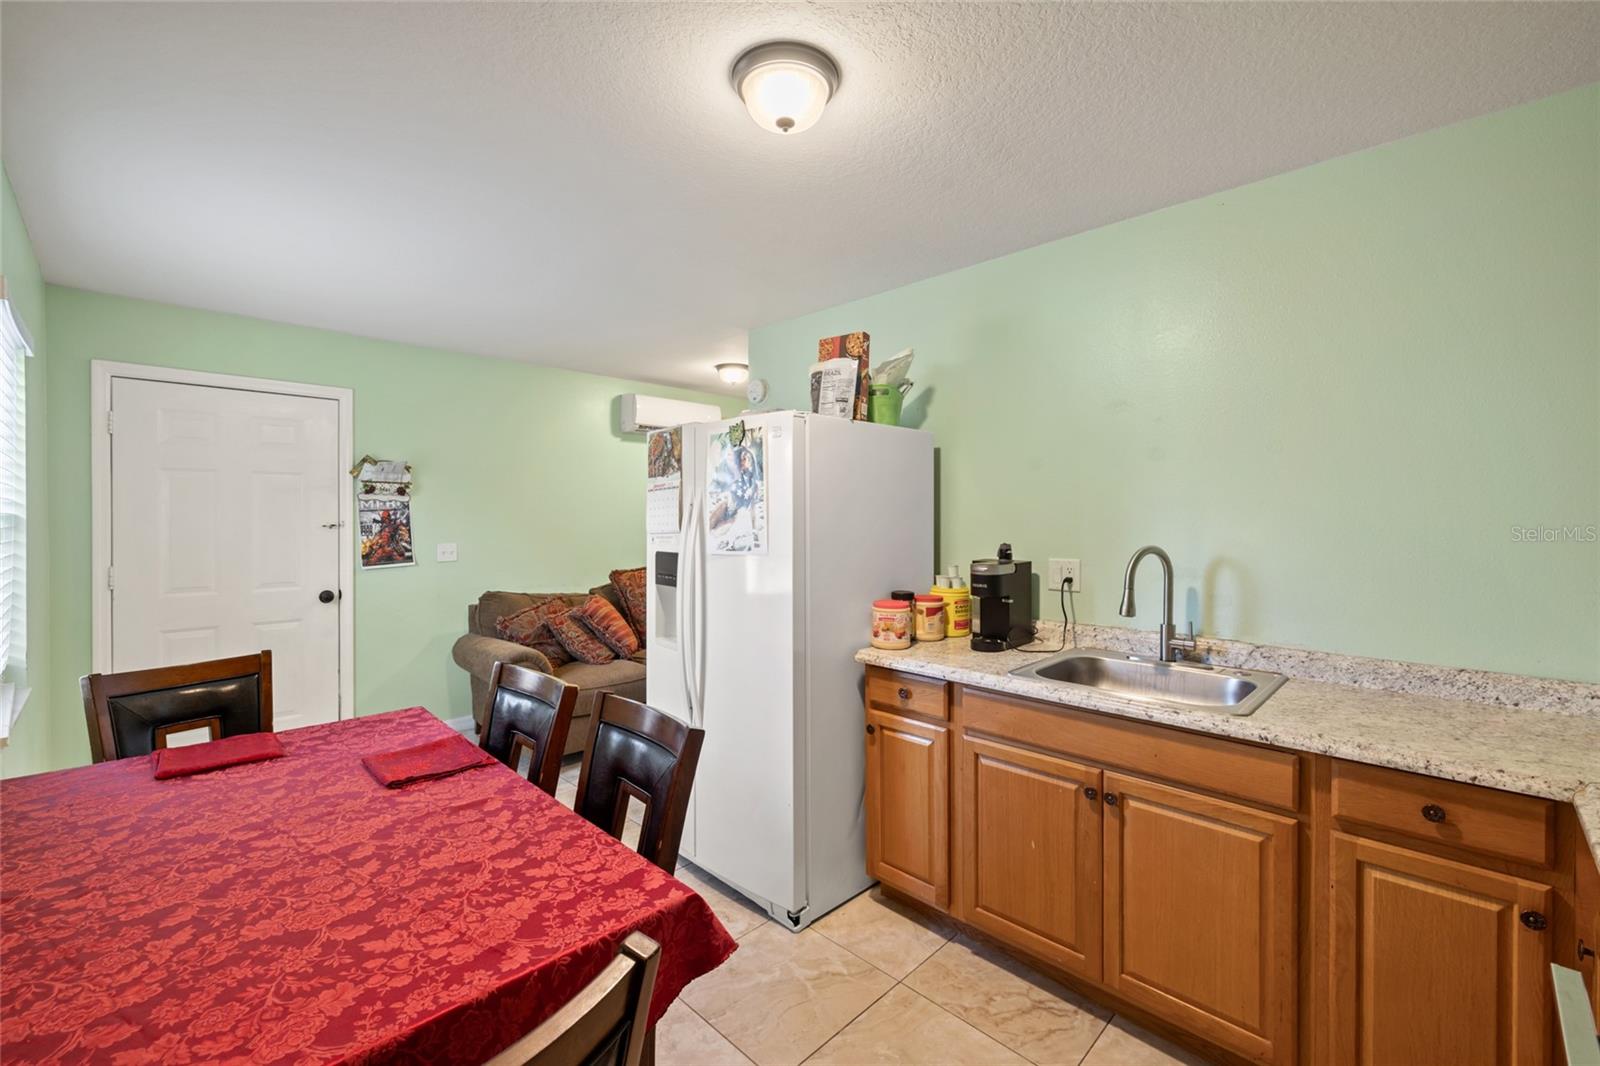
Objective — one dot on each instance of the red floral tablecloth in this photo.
(297, 911)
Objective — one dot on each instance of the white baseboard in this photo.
(463, 725)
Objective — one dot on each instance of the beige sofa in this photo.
(479, 649)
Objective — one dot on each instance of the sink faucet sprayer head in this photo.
(1127, 608)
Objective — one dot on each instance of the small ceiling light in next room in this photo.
(785, 84)
(734, 373)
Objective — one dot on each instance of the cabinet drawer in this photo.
(1503, 824)
(890, 690)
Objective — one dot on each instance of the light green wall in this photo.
(520, 465)
(29, 748)
(1330, 395)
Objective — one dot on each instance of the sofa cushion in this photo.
(630, 586)
(607, 623)
(530, 627)
(578, 640)
(604, 675)
(493, 605)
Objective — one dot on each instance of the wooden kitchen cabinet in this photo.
(1028, 850)
(1435, 961)
(1200, 914)
(1272, 906)
(908, 805)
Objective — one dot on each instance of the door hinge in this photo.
(109, 415)
(111, 578)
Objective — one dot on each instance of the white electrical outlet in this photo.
(445, 553)
(1060, 570)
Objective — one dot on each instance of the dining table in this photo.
(294, 910)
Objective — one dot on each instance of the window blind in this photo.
(13, 510)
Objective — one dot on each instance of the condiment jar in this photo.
(891, 624)
(928, 616)
(957, 603)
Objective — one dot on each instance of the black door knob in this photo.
(871, 728)
(1535, 921)
(1091, 794)
(1111, 799)
(326, 595)
(1433, 812)
(905, 694)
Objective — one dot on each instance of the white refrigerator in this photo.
(754, 616)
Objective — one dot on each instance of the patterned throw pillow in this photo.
(530, 627)
(630, 586)
(578, 640)
(607, 623)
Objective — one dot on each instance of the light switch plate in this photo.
(1060, 570)
(445, 553)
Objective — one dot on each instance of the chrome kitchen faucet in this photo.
(1170, 642)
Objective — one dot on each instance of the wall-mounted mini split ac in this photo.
(641, 413)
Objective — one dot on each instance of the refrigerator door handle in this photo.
(699, 622)
(685, 611)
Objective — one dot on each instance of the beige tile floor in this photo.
(878, 982)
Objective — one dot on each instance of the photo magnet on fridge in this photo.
(736, 491)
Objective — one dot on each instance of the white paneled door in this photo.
(225, 538)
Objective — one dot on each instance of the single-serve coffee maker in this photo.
(1002, 602)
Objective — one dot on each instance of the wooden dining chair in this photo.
(606, 1024)
(136, 711)
(637, 752)
(528, 711)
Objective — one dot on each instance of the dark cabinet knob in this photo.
(1535, 921)
(326, 595)
(1091, 794)
(1111, 799)
(1433, 812)
(905, 694)
(871, 728)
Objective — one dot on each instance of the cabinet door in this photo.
(1433, 963)
(908, 805)
(1028, 851)
(1588, 946)
(1200, 911)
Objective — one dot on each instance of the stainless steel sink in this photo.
(1238, 692)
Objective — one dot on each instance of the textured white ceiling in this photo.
(576, 184)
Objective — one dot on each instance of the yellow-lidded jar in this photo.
(957, 605)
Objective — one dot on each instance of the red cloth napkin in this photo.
(216, 754)
(436, 758)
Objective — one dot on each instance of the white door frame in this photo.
(101, 373)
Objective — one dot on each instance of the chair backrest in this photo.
(606, 1024)
(134, 712)
(528, 711)
(637, 752)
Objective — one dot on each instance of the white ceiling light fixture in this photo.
(734, 373)
(785, 84)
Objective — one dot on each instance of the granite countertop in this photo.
(1588, 803)
(1519, 749)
